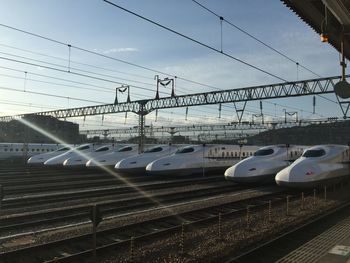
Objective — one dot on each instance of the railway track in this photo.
(78, 248)
(66, 180)
(288, 241)
(112, 190)
(111, 208)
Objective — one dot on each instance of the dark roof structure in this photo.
(331, 17)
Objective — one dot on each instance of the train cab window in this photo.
(263, 152)
(62, 149)
(154, 150)
(83, 147)
(185, 150)
(314, 153)
(102, 149)
(125, 149)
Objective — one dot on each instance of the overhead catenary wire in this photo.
(115, 59)
(123, 61)
(103, 55)
(53, 69)
(195, 41)
(203, 44)
(257, 39)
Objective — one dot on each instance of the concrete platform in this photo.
(332, 246)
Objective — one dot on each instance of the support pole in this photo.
(142, 116)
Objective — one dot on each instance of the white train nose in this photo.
(161, 167)
(75, 161)
(35, 160)
(282, 177)
(55, 161)
(133, 165)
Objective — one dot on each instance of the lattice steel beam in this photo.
(143, 107)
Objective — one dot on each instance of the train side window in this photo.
(223, 154)
(5, 150)
(11, 150)
(16, 150)
(243, 154)
(231, 154)
(236, 154)
(38, 150)
(216, 150)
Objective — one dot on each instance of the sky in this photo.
(97, 26)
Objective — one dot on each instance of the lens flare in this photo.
(106, 169)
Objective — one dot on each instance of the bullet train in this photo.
(137, 163)
(111, 158)
(80, 160)
(263, 166)
(319, 165)
(17, 150)
(199, 158)
(43, 157)
(81, 150)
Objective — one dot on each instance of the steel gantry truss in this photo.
(143, 107)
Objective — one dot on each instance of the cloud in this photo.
(119, 50)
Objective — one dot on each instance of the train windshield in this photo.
(102, 149)
(154, 150)
(185, 150)
(63, 149)
(314, 153)
(125, 149)
(83, 147)
(263, 152)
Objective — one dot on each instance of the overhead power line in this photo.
(195, 41)
(257, 39)
(103, 55)
(204, 45)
